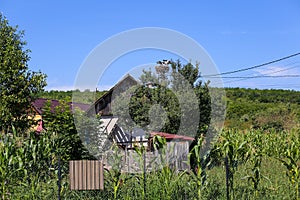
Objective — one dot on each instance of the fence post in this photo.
(59, 178)
(227, 171)
(144, 155)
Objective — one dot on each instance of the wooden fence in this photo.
(86, 175)
(175, 156)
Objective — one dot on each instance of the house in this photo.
(39, 104)
(177, 145)
(102, 106)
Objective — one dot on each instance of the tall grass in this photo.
(263, 165)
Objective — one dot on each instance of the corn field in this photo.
(251, 164)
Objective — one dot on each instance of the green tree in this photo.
(182, 73)
(188, 71)
(156, 109)
(60, 122)
(18, 85)
(166, 101)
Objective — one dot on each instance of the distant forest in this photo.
(264, 109)
(246, 108)
(86, 96)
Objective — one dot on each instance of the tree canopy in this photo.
(172, 99)
(18, 84)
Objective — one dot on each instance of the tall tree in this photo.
(18, 85)
(172, 101)
(183, 76)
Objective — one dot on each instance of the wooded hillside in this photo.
(246, 108)
(253, 108)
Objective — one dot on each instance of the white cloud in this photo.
(277, 71)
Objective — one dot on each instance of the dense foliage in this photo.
(266, 109)
(260, 165)
(18, 85)
(85, 96)
(246, 108)
(258, 159)
(264, 96)
(32, 165)
(173, 101)
(60, 121)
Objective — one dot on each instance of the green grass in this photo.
(278, 179)
(275, 186)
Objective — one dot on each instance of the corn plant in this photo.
(7, 163)
(166, 177)
(291, 161)
(115, 177)
(233, 150)
(199, 175)
(255, 142)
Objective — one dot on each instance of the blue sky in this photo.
(236, 34)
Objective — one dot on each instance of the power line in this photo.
(274, 72)
(280, 85)
(253, 67)
(249, 75)
(262, 76)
